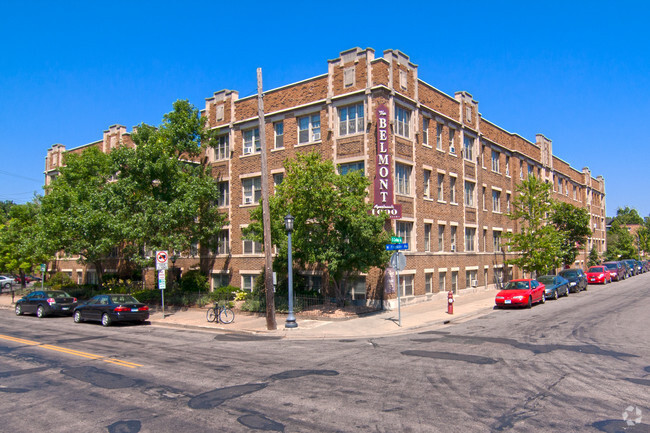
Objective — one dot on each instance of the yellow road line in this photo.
(71, 352)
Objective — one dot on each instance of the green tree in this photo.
(5, 207)
(573, 225)
(537, 242)
(334, 227)
(593, 258)
(620, 242)
(628, 215)
(166, 195)
(78, 211)
(21, 240)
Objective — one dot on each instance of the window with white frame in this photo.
(248, 281)
(442, 281)
(439, 136)
(468, 148)
(452, 146)
(495, 161)
(483, 198)
(404, 229)
(496, 240)
(357, 288)
(454, 281)
(441, 237)
(220, 279)
(222, 148)
(252, 190)
(454, 229)
(278, 133)
(277, 179)
(471, 278)
(507, 165)
(403, 178)
(252, 141)
(351, 166)
(441, 187)
(222, 244)
(402, 121)
(452, 189)
(469, 194)
(428, 282)
(427, 237)
(224, 194)
(407, 284)
(470, 235)
(521, 169)
(484, 240)
(425, 130)
(496, 201)
(531, 170)
(426, 180)
(508, 203)
(309, 129)
(252, 247)
(351, 119)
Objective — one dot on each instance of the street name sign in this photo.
(394, 247)
(396, 240)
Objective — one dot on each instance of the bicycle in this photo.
(220, 314)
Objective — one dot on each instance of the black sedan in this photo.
(577, 279)
(556, 286)
(109, 309)
(46, 302)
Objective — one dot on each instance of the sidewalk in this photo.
(469, 303)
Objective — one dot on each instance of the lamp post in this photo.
(173, 258)
(291, 319)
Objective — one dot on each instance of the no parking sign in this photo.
(161, 260)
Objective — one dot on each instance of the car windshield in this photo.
(610, 265)
(546, 279)
(568, 274)
(123, 299)
(596, 269)
(516, 285)
(57, 295)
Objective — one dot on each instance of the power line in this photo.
(19, 176)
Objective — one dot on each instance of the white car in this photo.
(6, 282)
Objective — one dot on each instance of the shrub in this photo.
(60, 280)
(193, 281)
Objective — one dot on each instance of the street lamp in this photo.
(173, 258)
(291, 319)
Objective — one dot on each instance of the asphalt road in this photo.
(576, 364)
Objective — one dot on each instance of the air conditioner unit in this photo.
(474, 283)
(316, 136)
(248, 150)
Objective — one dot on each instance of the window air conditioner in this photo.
(474, 283)
(316, 136)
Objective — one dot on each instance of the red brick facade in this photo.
(432, 136)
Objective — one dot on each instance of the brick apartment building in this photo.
(445, 173)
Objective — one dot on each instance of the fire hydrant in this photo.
(450, 303)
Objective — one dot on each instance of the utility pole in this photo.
(266, 213)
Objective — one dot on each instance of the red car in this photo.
(598, 275)
(616, 270)
(521, 292)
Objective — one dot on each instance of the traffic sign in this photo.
(398, 261)
(396, 240)
(162, 283)
(161, 260)
(393, 247)
(43, 266)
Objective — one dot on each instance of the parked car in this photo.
(598, 275)
(521, 292)
(632, 268)
(46, 302)
(28, 279)
(556, 286)
(34, 278)
(577, 279)
(639, 267)
(108, 309)
(6, 282)
(616, 270)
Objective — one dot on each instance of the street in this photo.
(576, 364)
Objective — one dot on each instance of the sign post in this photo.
(161, 267)
(398, 262)
(43, 267)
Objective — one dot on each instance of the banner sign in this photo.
(384, 178)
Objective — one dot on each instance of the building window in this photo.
(441, 188)
(508, 203)
(252, 190)
(483, 198)
(470, 234)
(407, 285)
(468, 148)
(507, 166)
(404, 229)
(351, 166)
(252, 141)
(496, 240)
(222, 246)
(441, 237)
(278, 131)
(222, 148)
(348, 77)
(454, 229)
(427, 237)
(471, 278)
(425, 130)
(252, 247)
(357, 288)
(452, 190)
(496, 201)
(426, 180)
(575, 192)
(403, 175)
(531, 170)
(484, 240)
(277, 179)
(521, 170)
(402, 121)
(428, 282)
(221, 279)
(351, 119)
(454, 281)
(439, 136)
(452, 147)
(469, 194)
(248, 281)
(309, 129)
(495, 161)
(442, 281)
(224, 194)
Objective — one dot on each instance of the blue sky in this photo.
(577, 72)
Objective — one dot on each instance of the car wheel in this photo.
(77, 317)
(40, 312)
(106, 320)
(530, 302)
(8, 286)
(19, 310)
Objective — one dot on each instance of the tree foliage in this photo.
(628, 215)
(334, 228)
(572, 223)
(620, 242)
